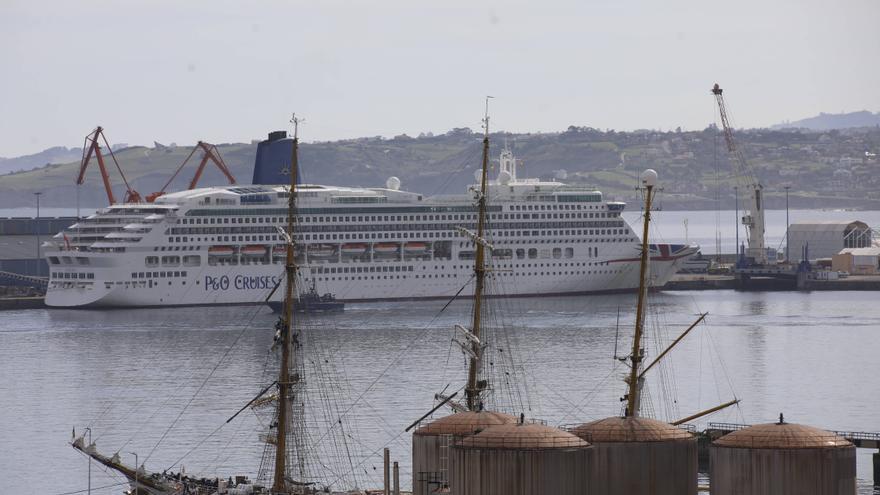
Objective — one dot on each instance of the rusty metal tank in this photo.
(782, 459)
(635, 455)
(432, 444)
(521, 459)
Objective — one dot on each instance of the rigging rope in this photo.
(201, 386)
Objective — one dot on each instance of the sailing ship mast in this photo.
(635, 381)
(473, 390)
(288, 333)
(636, 378)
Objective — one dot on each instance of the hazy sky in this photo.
(232, 71)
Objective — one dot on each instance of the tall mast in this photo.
(284, 383)
(649, 179)
(474, 389)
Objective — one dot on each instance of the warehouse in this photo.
(825, 239)
(858, 261)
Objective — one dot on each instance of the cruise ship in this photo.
(224, 245)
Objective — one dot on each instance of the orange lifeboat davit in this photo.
(354, 249)
(322, 250)
(221, 251)
(386, 248)
(416, 248)
(253, 251)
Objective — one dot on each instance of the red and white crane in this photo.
(210, 153)
(91, 146)
(753, 218)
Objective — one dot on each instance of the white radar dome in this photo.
(504, 177)
(392, 183)
(478, 175)
(649, 178)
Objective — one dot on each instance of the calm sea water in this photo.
(131, 374)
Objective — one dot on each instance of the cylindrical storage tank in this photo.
(432, 446)
(782, 459)
(634, 456)
(521, 459)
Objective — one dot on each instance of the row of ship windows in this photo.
(64, 275)
(158, 274)
(395, 218)
(455, 275)
(372, 269)
(590, 224)
(331, 211)
(189, 260)
(417, 235)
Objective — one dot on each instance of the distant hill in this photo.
(824, 169)
(828, 121)
(57, 154)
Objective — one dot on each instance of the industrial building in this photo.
(825, 239)
(857, 261)
(19, 254)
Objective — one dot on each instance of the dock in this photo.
(689, 281)
(26, 302)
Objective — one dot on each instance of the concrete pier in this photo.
(802, 282)
(11, 303)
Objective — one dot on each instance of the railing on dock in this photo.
(40, 281)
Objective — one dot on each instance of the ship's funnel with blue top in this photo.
(272, 165)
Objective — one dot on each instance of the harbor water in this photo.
(162, 382)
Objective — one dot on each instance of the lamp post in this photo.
(787, 240)
(37, 194)
(736, 223)
(136, 469)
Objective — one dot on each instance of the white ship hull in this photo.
(252, 284)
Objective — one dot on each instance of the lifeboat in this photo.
(279, 251)
(415, 248)
(221, 251)
(253, 251)
(322, 250)
(386, 248)
(354, 249)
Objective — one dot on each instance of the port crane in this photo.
(92, 146)
(210, 153)
(753, 219)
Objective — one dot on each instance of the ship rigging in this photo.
(289, 461)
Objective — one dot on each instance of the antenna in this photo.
(296, 122)
(486, 118)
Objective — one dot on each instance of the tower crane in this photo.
(91, 146)
(753, 218)
(210, 153)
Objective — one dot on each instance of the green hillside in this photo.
(824, 169)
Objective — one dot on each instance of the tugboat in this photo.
(312, 302)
